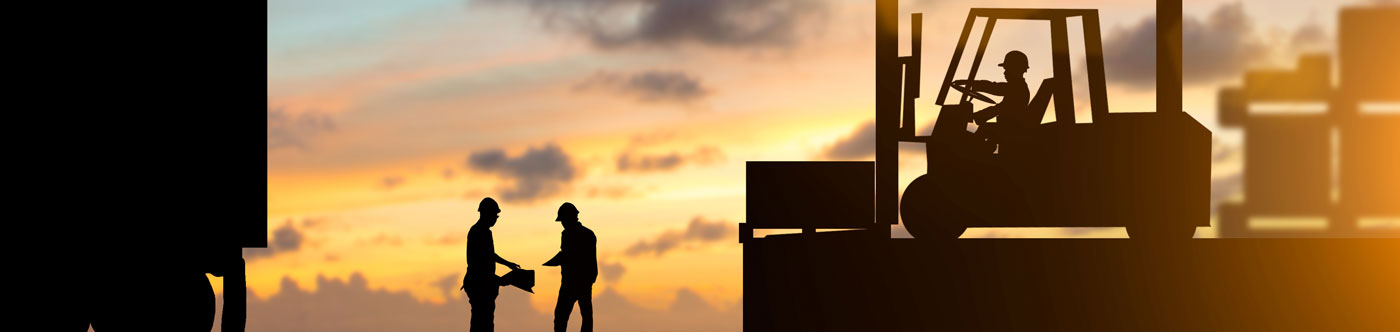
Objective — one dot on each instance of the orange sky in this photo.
(376, 107)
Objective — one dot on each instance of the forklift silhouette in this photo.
(1148, 172)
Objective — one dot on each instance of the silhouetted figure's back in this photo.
(578, 259)
(481, 283)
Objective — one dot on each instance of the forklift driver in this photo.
(1015, 97)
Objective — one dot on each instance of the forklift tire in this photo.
(928, 215)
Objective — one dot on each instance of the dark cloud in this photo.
(1221, 46)
(538, 173)
(293, 131)
(351, 305)
(611, 24)
(611, 271)
(284, 239)
(391, 182)
(629, 162)
(699, 231)
(648, 86)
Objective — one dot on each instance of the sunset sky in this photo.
(388, 121)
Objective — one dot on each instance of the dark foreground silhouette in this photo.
(849, 281)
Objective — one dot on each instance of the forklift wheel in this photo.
(928, 215)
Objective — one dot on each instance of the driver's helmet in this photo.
(1015, 60)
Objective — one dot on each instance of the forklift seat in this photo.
(1035, 111)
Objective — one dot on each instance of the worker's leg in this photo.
(563, 307)
(483, 302)
(585, 307)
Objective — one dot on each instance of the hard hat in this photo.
(1015, 60)
(488, 205)
(567, 209)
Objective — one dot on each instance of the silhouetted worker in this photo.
(578, 259)
(481, 283)
(1011, 111)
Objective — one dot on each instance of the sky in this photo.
(388, 121)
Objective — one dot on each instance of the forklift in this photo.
(1148, 172)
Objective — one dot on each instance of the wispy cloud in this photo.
(654, 86)
(295, 131)
(698, 231)
(631, 162)
(611, 24)
(858, 145)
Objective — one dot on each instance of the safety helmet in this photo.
(567, 209)
(488, 205)
(1015, 60)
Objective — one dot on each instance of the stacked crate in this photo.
(1289, 163)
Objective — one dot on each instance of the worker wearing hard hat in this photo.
(1015, 95)
(481, 283)
(578, 260)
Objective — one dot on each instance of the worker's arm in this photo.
(507, 263)
(557, 260)
(996, 88)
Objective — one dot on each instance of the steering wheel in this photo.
(971, 93)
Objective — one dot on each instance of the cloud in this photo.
(652, 86)
(294, 131)
(699, 231)
(447, 173)
(860, 144)
(1221, 46)
(538, 173)
(450, 285)
(629, 162)
(612, 24)
(391, 182)
(611, 271)
(284, 239)
(351, 305)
